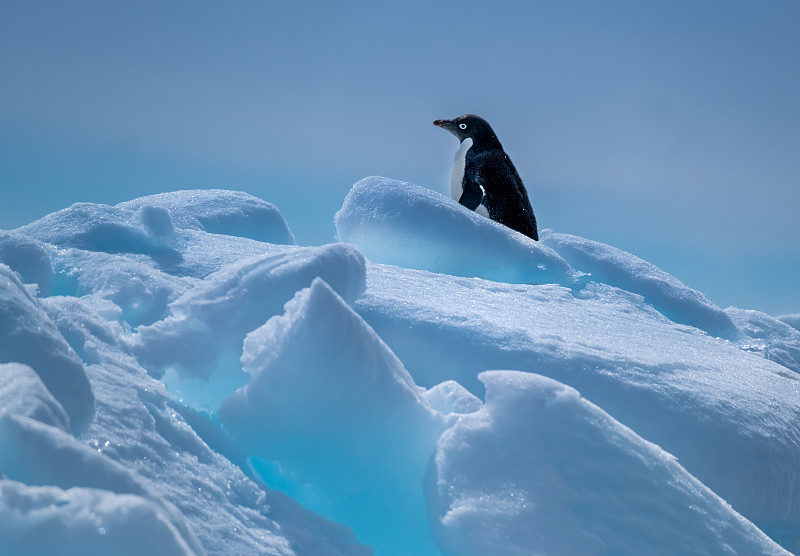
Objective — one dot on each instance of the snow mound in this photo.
(141, 292)
(403, 224)
(774, 339)
(218, 211)
(333, 415)
(79, 521)
(541, 467)
(400, 223)
(233, 396)
(723, 412)
(94, 227)
(28, 335)
(29, 259)
(178, 452)
(606, 264)
(449, 397)
(37, 454)
(792, 320)
(22, 392)
(208, 323)
(180, 232)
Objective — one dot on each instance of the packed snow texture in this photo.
(525, 439)
(792, 320)
(49, 520)
(29, 336)
(216, 211)
(407, 225)
(325, 383)
(177, 377)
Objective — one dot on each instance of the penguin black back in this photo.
(489, 177)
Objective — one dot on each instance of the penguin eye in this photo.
(462, 126)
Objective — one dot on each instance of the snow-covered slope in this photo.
(180, 378)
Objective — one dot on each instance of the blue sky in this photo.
(670, 129)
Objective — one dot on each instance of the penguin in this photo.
(484, 179)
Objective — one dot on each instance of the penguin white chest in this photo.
(457, 175)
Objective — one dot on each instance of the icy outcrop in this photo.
(22, 392)
(27, 335)
(792, 320)
(403, 224)
(233, 396)
(609, 265)
(34, 453)
(177, 452)
(218, 211)
(106, 229)
(332, 414)
(775, 339)
(80, 521)
(29, 259)
(540, 466)
(208, 323)
(723, 412)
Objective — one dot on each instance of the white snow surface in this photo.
(177, 377)
(407, 225)
(792, 320)
(526, 438)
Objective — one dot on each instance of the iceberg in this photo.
(177, 376)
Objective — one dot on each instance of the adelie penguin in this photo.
(484, 178)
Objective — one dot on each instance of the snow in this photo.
(49, 520)
(404, 224)
(773, 338)
(335, 409)
(792, 320)
(742, 410)
(218, 211)
(28, 449)
(506, 477)
(27, 335)
(238, 298)
(177, 377)
(608, 265)
(23, 393)
(30, 260)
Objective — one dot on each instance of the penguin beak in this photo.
(447, 125)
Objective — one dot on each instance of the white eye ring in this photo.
(462, 126)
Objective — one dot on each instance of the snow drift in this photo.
(181, 378)
(538, 457)
(401, 223)
(28, 335)
(334, 412)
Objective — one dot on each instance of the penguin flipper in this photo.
(472, 195)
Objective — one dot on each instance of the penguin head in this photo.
(468, 126)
